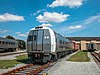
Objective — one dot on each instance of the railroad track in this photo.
(11, 53)
(96, 57)
(32, 69)
(29, 69)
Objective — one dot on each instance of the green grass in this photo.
(80, 56)
(5, 64)
(21, 57)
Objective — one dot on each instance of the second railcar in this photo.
(44, 44)
(7, 44)
(91, 46)
(75, 46)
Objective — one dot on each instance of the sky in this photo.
(71, 18)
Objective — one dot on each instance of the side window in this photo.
(6, 42)
(31, 32)
(9, 43)
(34, 37)
(63, 42)
(60, 41)
(30, 38)
(3, 42)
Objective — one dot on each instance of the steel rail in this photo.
(96, 55)
(27, 70)
(96, 58)
(11, 53)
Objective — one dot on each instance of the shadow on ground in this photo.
(25, 61)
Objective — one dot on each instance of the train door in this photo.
(46, 41)
(40, 40)
(35, 40)
(30, 41)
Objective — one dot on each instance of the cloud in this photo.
(38, 11)
(86, 23)
(92, 19)
(98, 20)
(45, 24)
(20, 34)
(3, 31)
(75, 27)
(10, 17)
(52, 17)
(80, 25)
(70, 3)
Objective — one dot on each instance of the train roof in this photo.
(84, 38)
(40, 27)
(7, 40)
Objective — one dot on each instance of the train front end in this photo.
(39, 44)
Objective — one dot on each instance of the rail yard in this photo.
(49, 37)
(55, 68)
(48, 53)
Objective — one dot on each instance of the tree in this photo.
(10, 37)
(21, 44)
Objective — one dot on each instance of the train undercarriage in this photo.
(7, 49)
(42, 57)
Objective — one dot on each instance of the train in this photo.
(44, 44)
(75, 46)
(7, 45)
(91, 46)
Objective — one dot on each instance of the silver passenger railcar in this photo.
(44, 44)
(7, 44)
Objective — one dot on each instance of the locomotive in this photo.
(44, 44)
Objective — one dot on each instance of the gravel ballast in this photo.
(74, 68)
(10, 57)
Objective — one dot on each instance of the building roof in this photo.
(84, 38)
